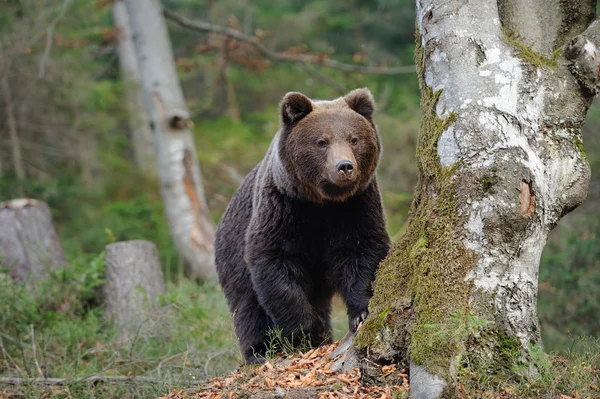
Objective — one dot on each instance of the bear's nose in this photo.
(346, 167)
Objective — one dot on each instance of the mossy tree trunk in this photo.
(500, 161)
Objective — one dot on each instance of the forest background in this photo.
(77, 156)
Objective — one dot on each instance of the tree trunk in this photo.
(224, 93)
(12, 128)
(29, 246)
(139, 125)
(500, 161)
(181, 182)
(133, 282)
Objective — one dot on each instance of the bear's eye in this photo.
(354, 140)
(321, 143)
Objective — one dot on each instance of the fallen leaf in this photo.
(270, 383)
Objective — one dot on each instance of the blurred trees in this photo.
(11, 126)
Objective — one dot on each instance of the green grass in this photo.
(58, 331)
(575, 373)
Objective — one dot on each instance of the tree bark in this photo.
(29, 245)
(181, 182)
(133, 282)
(12, 128)
(139, 125)
(500, 161)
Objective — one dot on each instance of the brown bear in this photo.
(306, 223)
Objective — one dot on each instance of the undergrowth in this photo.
(279, 343)
(58, 331)
(572, 374)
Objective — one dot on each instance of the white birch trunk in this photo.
(139, 125)
(179, 172)
(501, 161)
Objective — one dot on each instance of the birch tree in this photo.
(505, 88)
(139, 127)
(178, 168)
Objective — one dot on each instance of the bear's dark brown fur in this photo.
(307, 222)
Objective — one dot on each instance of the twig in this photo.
(7, 355)
(135, 337)
(33, 347)
(212, 356)
(49, 34)
(107, 67)
(64, 381)
(340, 87)
(233, 174)
(163, 361)
(297, 58)
(3, 351)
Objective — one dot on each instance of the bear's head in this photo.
(328, 149)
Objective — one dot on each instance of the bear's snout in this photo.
(341, 167)
(345, 167)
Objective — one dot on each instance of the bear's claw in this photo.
(358, 320)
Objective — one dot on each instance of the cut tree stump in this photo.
(133, 282)
(29, 245)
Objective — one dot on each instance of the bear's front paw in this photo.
(355, 322)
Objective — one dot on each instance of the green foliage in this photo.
(569, 296)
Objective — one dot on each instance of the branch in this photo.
(282, 57)
(340, 87)
(528, 21)
(584, 56)
(64, 381)
(49, 34)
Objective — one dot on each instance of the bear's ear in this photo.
(361, 101)
(294, 107)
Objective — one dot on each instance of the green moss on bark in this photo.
(528, 55)
(579, 145)
(487, 182)
(422, 281)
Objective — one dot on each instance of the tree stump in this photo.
(29, 245)
(133, 282)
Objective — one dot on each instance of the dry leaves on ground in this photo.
(309, 373)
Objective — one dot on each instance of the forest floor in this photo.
(306, 375)
(55, 344)
(312, 374)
